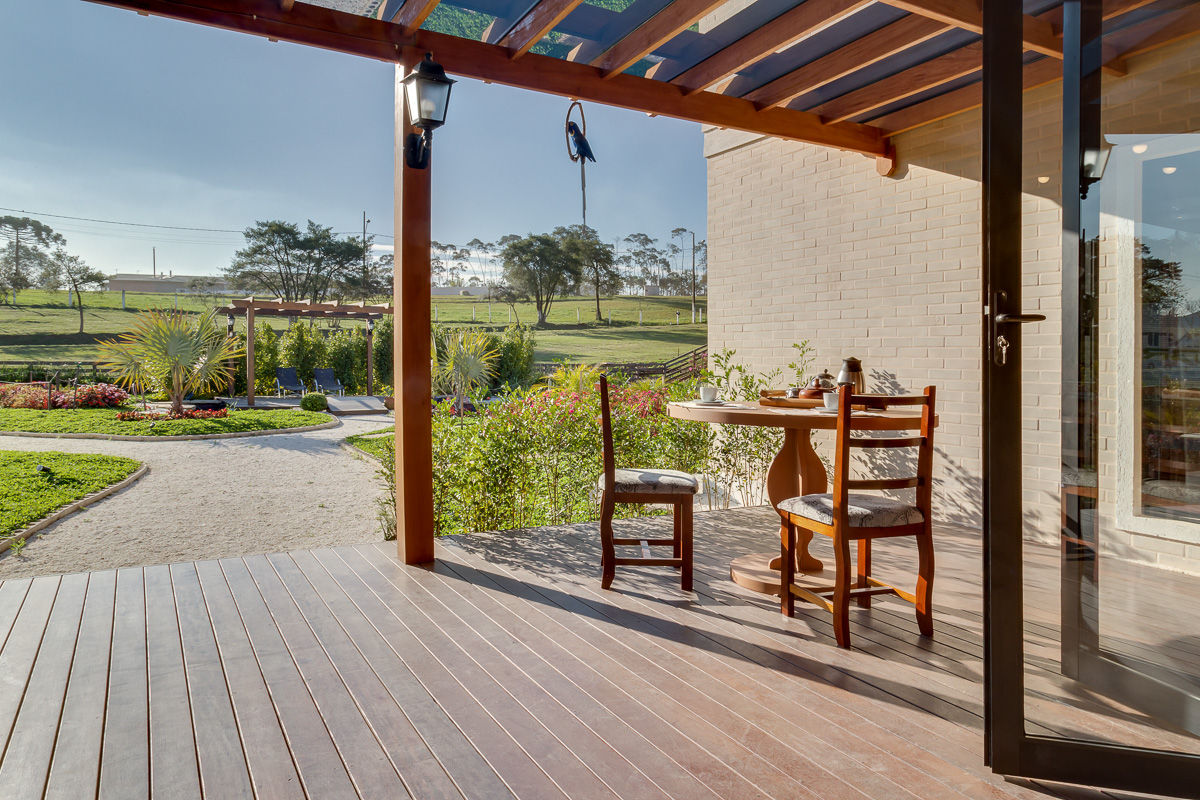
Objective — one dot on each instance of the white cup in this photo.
(831, 400)
(708, 393)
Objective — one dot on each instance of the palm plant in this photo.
(177, 352)
(464, 362)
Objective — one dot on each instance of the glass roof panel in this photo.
(689, 50)
(832, 38)
(937, 46)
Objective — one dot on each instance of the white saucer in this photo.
(709, 402)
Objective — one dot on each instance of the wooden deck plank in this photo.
(20, 650)
(422, 773)
(832, 723)
(519, 771)
(667, 757)
(75, 767)
(221, 754)
(316, 759)
(125, 751)
(368, 763)
(12, 595)
(174, 771)
(845, 742)
(535, 736)
(455, 752)
(717, 731)
(26, 762)
(813, 666)
(506, 661)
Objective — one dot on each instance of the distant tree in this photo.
(596, 260)
(509, 295)
(284, 261)
(373, 282)
(539, 266)
(482, 257)
(27, 245)
(451, 262)
(76, 274)
(205, 289)
(645, 258)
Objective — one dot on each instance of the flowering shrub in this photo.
(140, 416)
(99, 395)
(25, 395)
(533, 459)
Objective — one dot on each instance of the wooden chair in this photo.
(845, 516)
(658, 487)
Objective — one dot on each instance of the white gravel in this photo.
(211, 499)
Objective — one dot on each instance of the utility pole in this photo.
(366, 277)
(154, 262)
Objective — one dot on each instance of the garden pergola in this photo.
(305, 309)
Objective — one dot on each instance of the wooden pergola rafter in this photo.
(893, 65)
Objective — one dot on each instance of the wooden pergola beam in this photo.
(1039, 35)
(363, 36)
(530, 29)
(678, 15)
(912, 81)
(883, 43)
(413, 13)
(798, 23)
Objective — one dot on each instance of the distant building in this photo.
(168, 284)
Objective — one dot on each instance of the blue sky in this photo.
(110, 115)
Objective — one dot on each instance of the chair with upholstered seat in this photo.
(847, 516)
(649, 486)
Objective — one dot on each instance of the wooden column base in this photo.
(759, 572)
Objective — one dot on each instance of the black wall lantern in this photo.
(427, 95)
(229, 325)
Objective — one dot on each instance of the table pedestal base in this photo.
(753, 572)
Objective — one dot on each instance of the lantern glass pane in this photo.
(411, 98)
(434, 99)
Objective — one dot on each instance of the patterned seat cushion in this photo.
(864, 510)
(656, 481)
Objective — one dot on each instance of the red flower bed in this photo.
(28, 395)
(99, 395)
(140, 416)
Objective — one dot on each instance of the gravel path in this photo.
(211, 499)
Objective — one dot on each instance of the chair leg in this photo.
(864, 571)
(787, 570)
(924, 591)
(677, 519)
(685, 536)
(841, 591)
(608, 553)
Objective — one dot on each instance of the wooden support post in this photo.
(250, 357)
(370, 359)
(413, 382)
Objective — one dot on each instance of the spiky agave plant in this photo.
(466, 363)
(179, 352)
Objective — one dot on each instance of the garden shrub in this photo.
(22, 395)
(514, 368)
(314, 401)
(98, 395)
(346, 355)
(302, 348)
(383, 344)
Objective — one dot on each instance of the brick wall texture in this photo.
(807, 242)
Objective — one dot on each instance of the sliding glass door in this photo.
(1093, 590)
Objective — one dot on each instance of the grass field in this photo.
(43, 328)
(27, 495)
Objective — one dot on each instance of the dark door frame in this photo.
(1009, 748)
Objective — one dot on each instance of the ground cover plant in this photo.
(28, 493)
(104, 421)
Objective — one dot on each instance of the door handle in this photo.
(1019, 318)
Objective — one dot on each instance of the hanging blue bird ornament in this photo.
(582, 148)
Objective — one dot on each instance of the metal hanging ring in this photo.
(582, 128)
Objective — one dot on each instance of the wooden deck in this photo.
(505, 671)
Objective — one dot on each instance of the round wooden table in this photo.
(796, 469)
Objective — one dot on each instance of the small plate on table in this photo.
(710, 402)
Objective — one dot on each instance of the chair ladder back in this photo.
(922, 482)
(610, 469)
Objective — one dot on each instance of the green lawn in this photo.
(372, 444)
(27, 495)
(43, 328)
(104, 421)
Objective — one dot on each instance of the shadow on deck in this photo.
(504, 670)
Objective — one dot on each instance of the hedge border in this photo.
(116, 437)
(71, 508)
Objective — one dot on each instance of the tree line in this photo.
(35, 255)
